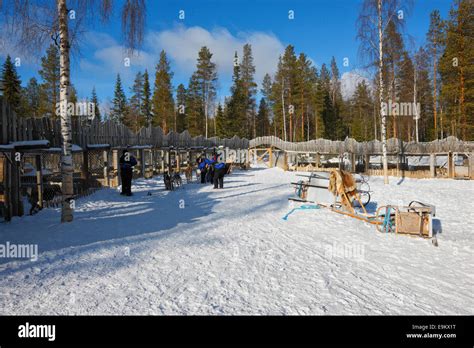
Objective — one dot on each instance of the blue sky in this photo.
(320, 28)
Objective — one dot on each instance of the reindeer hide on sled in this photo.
(343, 185)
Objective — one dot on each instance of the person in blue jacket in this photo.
(127, 162)
(219, 172)
(210, 169)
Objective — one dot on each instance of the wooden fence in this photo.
(360, 156)
(373, 147)
(14, 129)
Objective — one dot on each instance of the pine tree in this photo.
(435, 46)
(305, 83)
(24, 108)
(49, 72)
(206, 78)
(194, 107)
(290, 71)
(263, 121)
(424, 95)
(250, 88)
(237, 105)
(277, 101)
(135, 118)
(33, 97)
(146, 103)
(266, 92)
(405, 94)
(221, 122)
(361, 122)
(284, 92)
(181, 108)
(457, 71)
(163, 102)
(327, 105)
(95, 101)
(317, 105)
(393, 52)
(11, 84)
(119, 104)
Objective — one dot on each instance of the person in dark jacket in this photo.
(202, 168)
(220, 170)
(127, 162)
(210, 169)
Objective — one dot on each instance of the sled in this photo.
(415, 219)
(409, 220)
(315, 189)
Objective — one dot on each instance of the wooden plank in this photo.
(450, 165)
(16, 202)
(115, 164)
(8, 190)
(432, 165)
(106, 167)
(470, 164)
(39, 180)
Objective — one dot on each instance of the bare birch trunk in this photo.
(417, 116)
(283, 107)
(382, 112)
(375, 123)
(205, 112)
(206, 101)
(435, 111)
(66, 133)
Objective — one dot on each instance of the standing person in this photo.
(219, 172)
(127, 162)
(210, 169)
(202, 167)
(214, 156)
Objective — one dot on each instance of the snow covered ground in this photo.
(203, 251)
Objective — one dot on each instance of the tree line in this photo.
(298, 102)
(39, 98)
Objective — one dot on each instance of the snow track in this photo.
(229, 252)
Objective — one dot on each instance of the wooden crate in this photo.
(414, 223)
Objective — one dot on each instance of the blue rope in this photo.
(300, 188)
(387, 222)
(303, 207)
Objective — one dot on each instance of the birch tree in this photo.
(34, 23)
(373, 20)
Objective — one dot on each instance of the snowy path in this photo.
(229, 252)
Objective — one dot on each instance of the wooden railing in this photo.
(373, 147)
(14, 128)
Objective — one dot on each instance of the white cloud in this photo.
(109, 58)
(349, 81)
(183, 44)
